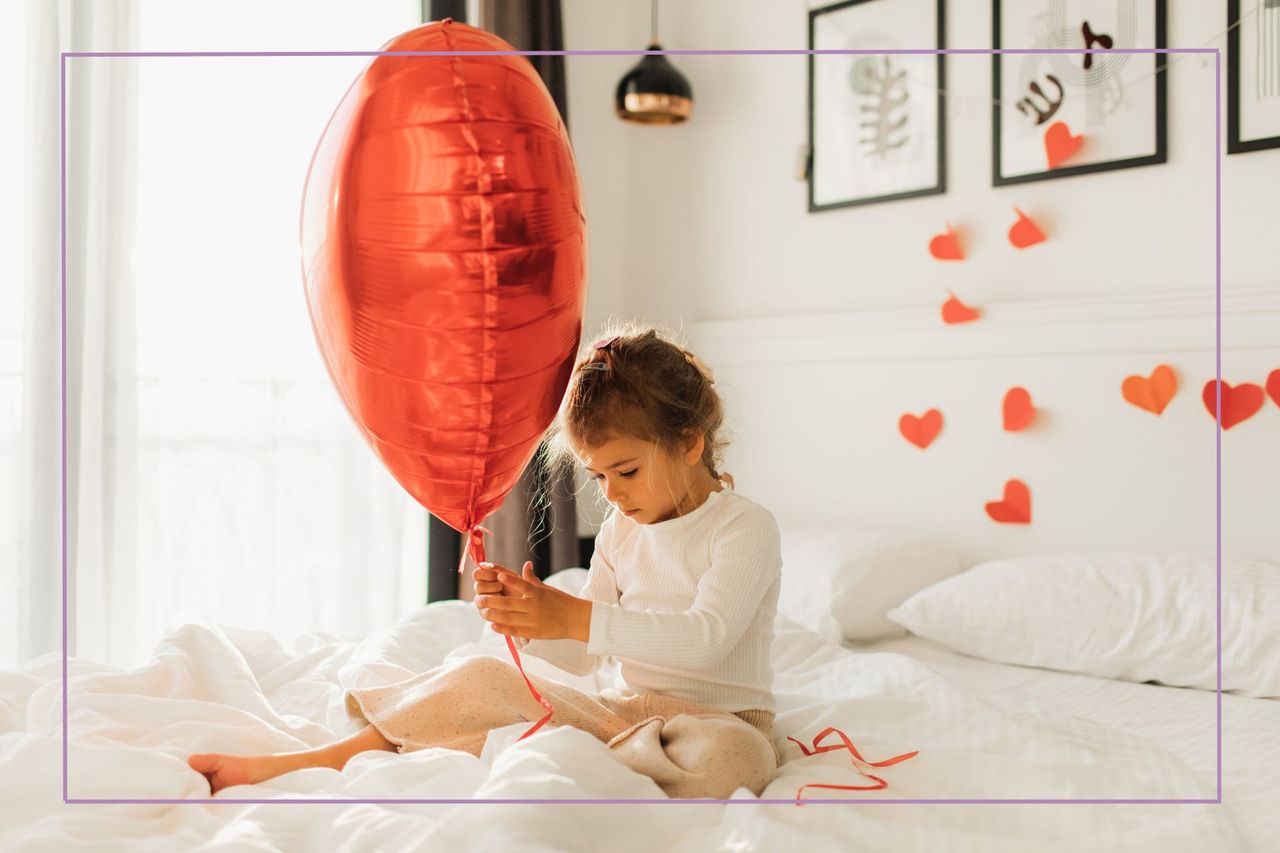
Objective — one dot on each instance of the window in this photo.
(258, 502)
(12, 249)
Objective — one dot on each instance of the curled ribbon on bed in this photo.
(475, 550)
(856, 757)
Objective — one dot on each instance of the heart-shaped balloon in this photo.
(444, 255)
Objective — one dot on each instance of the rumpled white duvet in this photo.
(211, 688)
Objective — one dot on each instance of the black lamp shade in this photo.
(654, 92)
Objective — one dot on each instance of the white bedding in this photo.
(210, 688)
(1181, 720)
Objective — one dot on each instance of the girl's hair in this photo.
(641, 384)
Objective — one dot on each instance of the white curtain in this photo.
(101, 338)
(33, 523)
(210, 465)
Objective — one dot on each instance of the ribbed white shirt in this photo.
(685, 605)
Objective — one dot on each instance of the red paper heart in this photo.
(1019, 411)
(1273, 385)
(955, 311)
(945, 246)
(1025, 232)
(923, 430)
(1152, 393)
(1016, 506)
(1060, 144)
(1238, 404)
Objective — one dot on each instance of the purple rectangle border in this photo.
(1217, 56)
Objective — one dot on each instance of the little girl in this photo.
(682, 590)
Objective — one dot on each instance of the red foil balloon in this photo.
(444, 254)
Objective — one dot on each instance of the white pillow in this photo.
(841, 581)
(1137, 617)
(568, 580)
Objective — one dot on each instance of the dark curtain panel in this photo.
(438, 10)
(443, 548)
(548, 536)
(532, 25)
(521, 531)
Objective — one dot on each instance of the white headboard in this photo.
(814, 404)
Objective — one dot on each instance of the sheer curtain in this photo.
(17, 637)
(211, 466)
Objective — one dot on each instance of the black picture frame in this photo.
(813, 161)
(1159, 81)
(1236, 145)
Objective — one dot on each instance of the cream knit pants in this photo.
(690, 750)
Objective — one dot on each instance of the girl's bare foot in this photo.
(223, 770)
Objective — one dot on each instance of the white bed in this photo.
(1179, 720)
(815, 403)
(218, 688)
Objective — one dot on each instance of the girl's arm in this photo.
(746, 560)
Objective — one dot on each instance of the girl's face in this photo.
(644, 482)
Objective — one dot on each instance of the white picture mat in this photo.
(842, 172)
(1128, 132)
(1259, 116)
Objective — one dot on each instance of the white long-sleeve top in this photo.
(686, 605)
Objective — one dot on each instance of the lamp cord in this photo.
(653, 21)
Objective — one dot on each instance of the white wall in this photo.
(600, 145)
(816, 403)
(706, 220)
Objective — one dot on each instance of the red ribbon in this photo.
(475, 549)
(857, 759)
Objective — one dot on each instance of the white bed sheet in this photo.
(1181, 720)
(211, 688)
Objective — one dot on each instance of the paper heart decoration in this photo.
(1273, 386)
(1019, 411)
(1016, 506)
(1025, 232)
(1238, 404)
(1152, 392)
(955, 311)
(923, 430)
(945, 246)
(1059, 144)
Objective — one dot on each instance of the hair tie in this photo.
(600, 346)
(605, 343)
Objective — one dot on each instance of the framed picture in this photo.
(876, 121)
(1061, 114)
(1253, 76)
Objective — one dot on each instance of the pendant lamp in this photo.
(654, 92)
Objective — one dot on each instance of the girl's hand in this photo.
(485, 579)
(526, 607)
